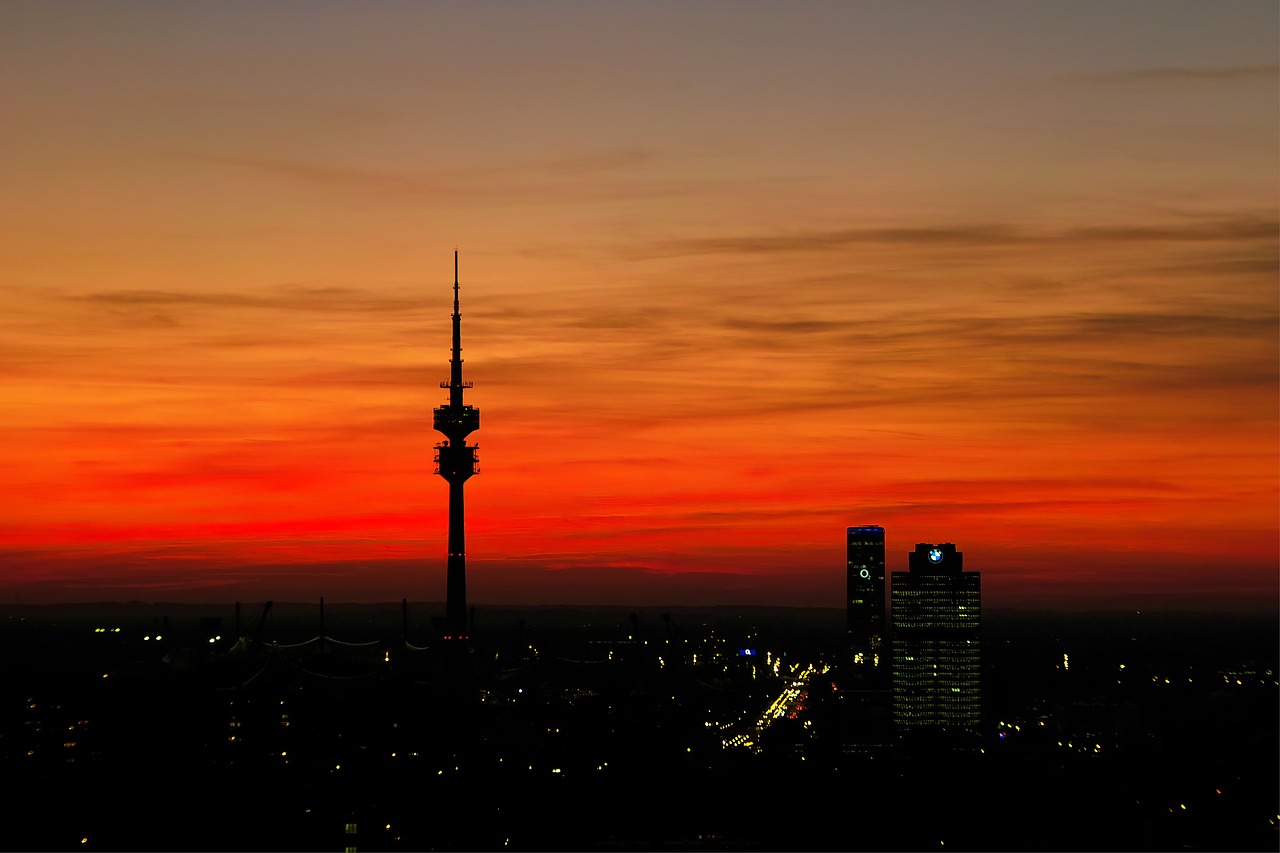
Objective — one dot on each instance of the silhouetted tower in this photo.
(864, 582)
(456, 461)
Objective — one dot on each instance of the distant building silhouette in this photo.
(456, 461)
(866, 597)
(936, 613)
(865, 721)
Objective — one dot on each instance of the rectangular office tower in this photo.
(936, 613)
(865, 585)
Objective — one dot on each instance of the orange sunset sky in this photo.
(735, 276)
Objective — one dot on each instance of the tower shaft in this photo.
(456, 461)
(456, 572)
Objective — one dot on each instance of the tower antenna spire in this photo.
(457, 462)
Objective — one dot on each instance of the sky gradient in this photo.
(735, 276)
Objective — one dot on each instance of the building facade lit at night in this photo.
(865, 589)
(936, 615)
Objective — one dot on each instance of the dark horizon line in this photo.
(250, 604)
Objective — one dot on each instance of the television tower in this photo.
(456, 461)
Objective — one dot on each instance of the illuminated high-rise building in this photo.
(456, 461)
(936, 615)
(864, 582)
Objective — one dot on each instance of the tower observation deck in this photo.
(456, 461)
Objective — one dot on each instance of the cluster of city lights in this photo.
(117, 631)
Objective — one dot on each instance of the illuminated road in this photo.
(790, 700)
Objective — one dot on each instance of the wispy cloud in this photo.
(1233, 228)
(583, 177)
(960, 235)
(288, 299)
(601, 161)
(337, 177)
(311, 112)
(1184, 74)
(1245, 227)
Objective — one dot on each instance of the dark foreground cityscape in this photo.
(909, 720)
(299, 727)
